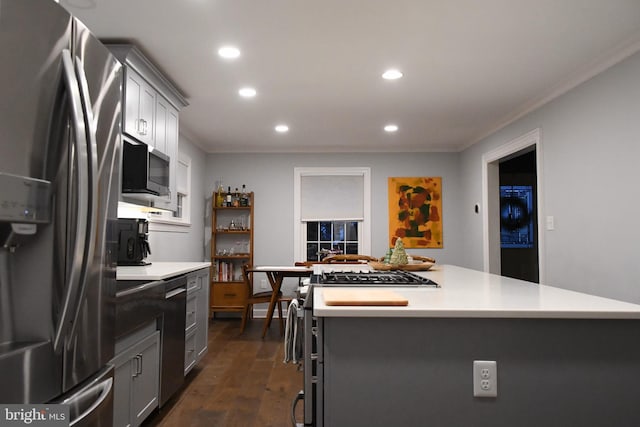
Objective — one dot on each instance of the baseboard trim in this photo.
(261, 313)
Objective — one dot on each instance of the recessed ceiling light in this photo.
(391, 128)
(392, 74)
(229, 52)
(247, 92)
(282, 128)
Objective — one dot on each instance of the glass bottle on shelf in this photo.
(244, 197)
(236, 198)
(220, 194)
(229, 200)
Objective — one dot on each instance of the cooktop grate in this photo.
(374, 278)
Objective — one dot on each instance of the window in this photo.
(166, 221)
(331, 237)
(331, 212)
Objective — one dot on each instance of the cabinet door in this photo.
(145, 384)
(161, 125)
(123, 375)
(139, 107)
(168, 121)
(189, 352)
(133, 91)
(190, 319)
(147, 105)
(202, 314)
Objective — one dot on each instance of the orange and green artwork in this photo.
(415, 212)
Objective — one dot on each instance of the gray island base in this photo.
(419, 372)
(553, 369)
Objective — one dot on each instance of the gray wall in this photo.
(270, 177)
(590, 151)
(189, 243)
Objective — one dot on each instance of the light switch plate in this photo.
(550, 223)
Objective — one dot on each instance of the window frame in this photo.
(300, 229)
(166, 221)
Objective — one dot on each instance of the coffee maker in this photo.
(133, 243)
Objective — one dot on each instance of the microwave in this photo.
(144, 169)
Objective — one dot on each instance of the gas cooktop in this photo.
(374, 278)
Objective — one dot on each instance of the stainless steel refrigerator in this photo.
(60, 115)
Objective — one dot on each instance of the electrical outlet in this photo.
(263, 283)
(485, 378)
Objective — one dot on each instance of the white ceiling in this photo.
(470, 66)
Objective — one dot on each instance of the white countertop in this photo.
(470, 293)
(158, 270)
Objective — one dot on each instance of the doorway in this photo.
(518, 217)
(512, 195)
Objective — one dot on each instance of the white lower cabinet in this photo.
(137, 375)
(190, 354)
(197, 318)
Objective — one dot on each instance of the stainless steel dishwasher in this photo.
(173, 324)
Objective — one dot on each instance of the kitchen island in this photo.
(563, 358)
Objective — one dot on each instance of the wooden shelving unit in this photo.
(231, 247)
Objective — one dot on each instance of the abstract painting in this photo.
(415, 212)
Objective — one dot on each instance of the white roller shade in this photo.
(337, 197)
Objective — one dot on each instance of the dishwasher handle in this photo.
(139, 288)
(174, 292)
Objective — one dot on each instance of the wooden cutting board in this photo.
(362, 296)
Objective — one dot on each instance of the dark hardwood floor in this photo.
(242, 381)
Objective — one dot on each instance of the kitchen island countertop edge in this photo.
(469, 293)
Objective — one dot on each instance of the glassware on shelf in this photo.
(239, 247)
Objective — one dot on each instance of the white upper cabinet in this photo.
(166, 131)
(140, 100)
(151, 112)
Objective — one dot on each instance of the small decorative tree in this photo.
(399, 256)
(387, 256)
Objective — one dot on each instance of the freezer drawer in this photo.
(91, 403)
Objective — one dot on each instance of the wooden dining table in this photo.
(276, 275)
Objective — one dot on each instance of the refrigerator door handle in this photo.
(92, 154)
(99, 391)
(76, 275)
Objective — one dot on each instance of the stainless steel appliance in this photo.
(144, 169)
(133, 241)
(173, 338)
(59, 179)
(373, 278)
(312, 334)
(165, 300)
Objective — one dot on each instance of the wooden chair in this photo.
(258, 298)
(348, 258)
